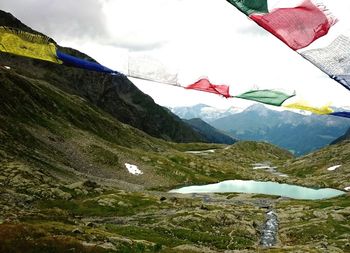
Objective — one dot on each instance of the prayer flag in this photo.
(341, 114)
(26, 44)
(334, 59)
(206, 86)
(250, 6)
(270, 97)
(148, 68)
(303, 105)
(81, 63)
(297, 27)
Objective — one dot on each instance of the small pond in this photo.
(269, 188)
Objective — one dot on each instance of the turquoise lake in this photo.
(269, 188)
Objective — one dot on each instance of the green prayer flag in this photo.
(250, 6)
(270, 97)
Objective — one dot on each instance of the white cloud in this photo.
(60, 18)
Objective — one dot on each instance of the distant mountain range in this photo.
(204, 112)
(299, 133)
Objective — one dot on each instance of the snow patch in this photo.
(201, 151)
(7, 67)
(133, 169)
(268, 168)
(333, 168)
(347, 188)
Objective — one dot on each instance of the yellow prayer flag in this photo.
(302, 105)
(26, 44)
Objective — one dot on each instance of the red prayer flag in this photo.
(205, 85)
(298, 27)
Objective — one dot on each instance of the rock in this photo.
(90, 184)
(39, 174)
(18, 180)
(192, 164)
(162, 198)
(338, 217)
(117, 240)
(26, 198)
(77, 231)
(98, 190)
(121, 203)
(75, 185)
(107, 202)
(78, 192)
(324, 245)
(191, 248)
(320, 214)
(202, 207)
(108, 246)
(145, 159)
(90, 224)
(61, 194)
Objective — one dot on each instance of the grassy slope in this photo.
(312, 169)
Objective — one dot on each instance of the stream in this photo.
(269, 230)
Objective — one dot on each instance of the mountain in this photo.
(204, 112)
(298, 133)
(115, 95)
(208, 132)
(344, 137)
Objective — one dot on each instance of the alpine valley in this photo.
(87, 162)
(296, 132)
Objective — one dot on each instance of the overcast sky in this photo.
(195, 37)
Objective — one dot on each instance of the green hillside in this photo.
(312, 169)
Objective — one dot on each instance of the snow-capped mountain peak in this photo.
(205, 112)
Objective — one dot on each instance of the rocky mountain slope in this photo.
(208, 132)
(115, 95)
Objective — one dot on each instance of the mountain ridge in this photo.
(203, 111)
(208, 132)
(116, 95)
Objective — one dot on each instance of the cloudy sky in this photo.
(193, 37)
